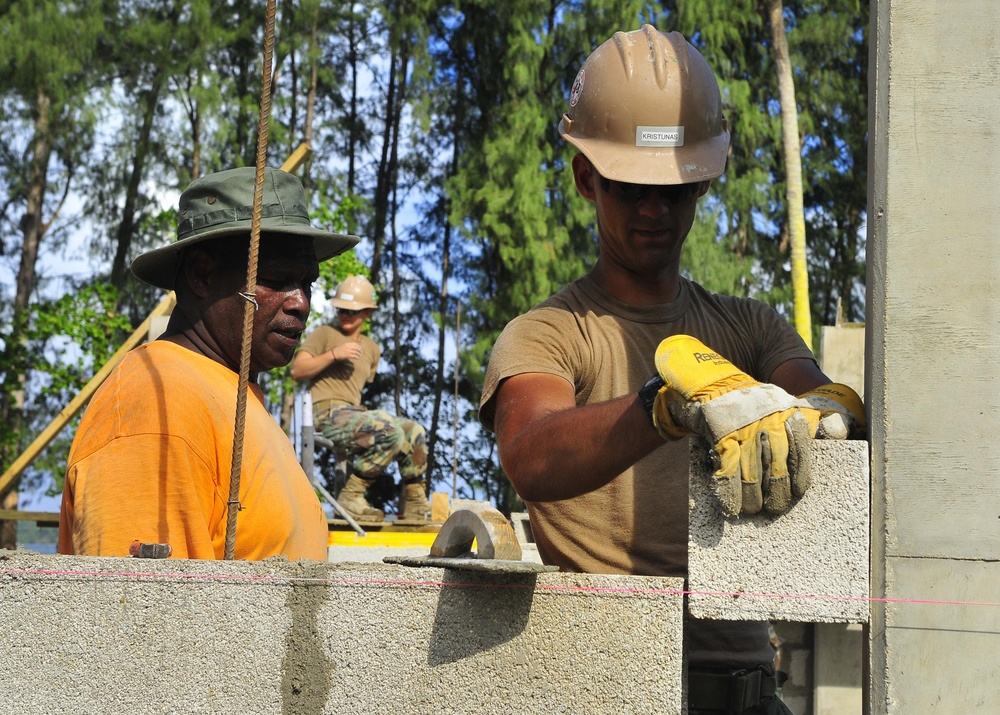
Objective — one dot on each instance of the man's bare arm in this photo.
(798, 376)
(551, 449)
(306, 365)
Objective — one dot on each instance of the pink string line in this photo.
(621, 590)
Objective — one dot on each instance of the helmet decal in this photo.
(659, 136)
(574, 94)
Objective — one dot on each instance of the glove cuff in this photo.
(690, 367)
(735, 410)
(839, 397)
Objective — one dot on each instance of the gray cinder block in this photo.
(809, 564)
(109, 635)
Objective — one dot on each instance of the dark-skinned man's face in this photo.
(286, 270)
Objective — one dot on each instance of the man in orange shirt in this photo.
(151, 460)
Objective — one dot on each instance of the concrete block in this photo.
(107, 635)
(842, 354)
(839, 668)
(809, 564)
(440, 507)
(522, 528)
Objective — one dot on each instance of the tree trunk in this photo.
(126, 228)
(443, 299)
(34, 229)
(393, 207)
(195, 117)
(307, 131)
(397, 316)
(793, 171)
(387, 168)
(352, 122)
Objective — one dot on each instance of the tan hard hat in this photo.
(354, 293)
(645, 108)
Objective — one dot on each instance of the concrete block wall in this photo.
(842, 354)
(108, 635)
(103, 635)
(796, 655)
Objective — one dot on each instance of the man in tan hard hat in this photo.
(593, 393)
(338, 360)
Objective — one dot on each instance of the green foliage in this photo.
(828, 50)
(512, 196)
(478, 206)
(63, 343)
(333, 271)
(48, 46)
(278, 383)
(81, 328)
(708, 261)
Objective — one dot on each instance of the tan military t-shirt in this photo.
(638, 522)
(343, 380)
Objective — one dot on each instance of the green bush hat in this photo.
(221, 204)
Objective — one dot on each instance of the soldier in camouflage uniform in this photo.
(338, 360)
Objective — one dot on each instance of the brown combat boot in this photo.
(352, 500)
(415, 504)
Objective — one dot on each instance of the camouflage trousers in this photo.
(372, 439)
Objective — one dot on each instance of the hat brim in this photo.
(158, 267)
(351, 304)
(658, 166)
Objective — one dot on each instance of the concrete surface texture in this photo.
(933, 389)
(809, 564)
(108, 635)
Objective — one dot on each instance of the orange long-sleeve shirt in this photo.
(152, 457)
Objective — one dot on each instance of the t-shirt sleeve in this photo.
(317, 342)
(777, 341)
(530, 343)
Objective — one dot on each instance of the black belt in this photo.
(731, 692)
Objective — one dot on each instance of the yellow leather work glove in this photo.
(758, 433)
(840, 413)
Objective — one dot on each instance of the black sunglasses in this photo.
(348, 311)
(634, 193)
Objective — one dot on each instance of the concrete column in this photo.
(933, 389)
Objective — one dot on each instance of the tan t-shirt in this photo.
(638, 522)
(343, 380)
